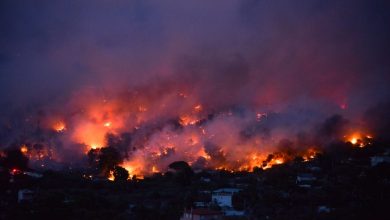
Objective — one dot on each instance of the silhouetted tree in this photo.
(183, 172)
(109, 157)
(181, 166)
(93, 157)
(104, 159)
(120, 174)
(14, 158)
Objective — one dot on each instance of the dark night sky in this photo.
(251, 51)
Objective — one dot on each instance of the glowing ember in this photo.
(107, 124)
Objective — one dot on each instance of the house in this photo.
(323, 209)
(205, 179)
(33, 174)
(202, 214)
(379, 159)
(305, 180)
(25, 195)
(223, 197)
(202, 200)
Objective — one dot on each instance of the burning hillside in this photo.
(145, 133)
(232, 85)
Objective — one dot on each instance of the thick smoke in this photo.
(209, 82)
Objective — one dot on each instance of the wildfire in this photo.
(273, 162)
(202, 153)
(149, 149)
(59, 126)
(188, 120)
(136, 168)
(310, 154)
(359, 140)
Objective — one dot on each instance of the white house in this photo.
(32, 174)
(202, 214)
(25, 195)
(232, 212)
(223, 197)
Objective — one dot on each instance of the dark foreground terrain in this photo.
(346, 183)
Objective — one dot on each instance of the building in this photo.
(379, 159)
(202, 214)
(305, 180)
(223, 197)
(25, 195)
(231, 212)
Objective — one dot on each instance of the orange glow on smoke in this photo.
(90, 134)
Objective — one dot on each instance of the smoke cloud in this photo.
(190, 80)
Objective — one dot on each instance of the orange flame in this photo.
(24, 149)
(59, 126)
(359, 140)
(111, 176)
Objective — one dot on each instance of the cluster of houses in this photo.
(221, 198)
(213, 203)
